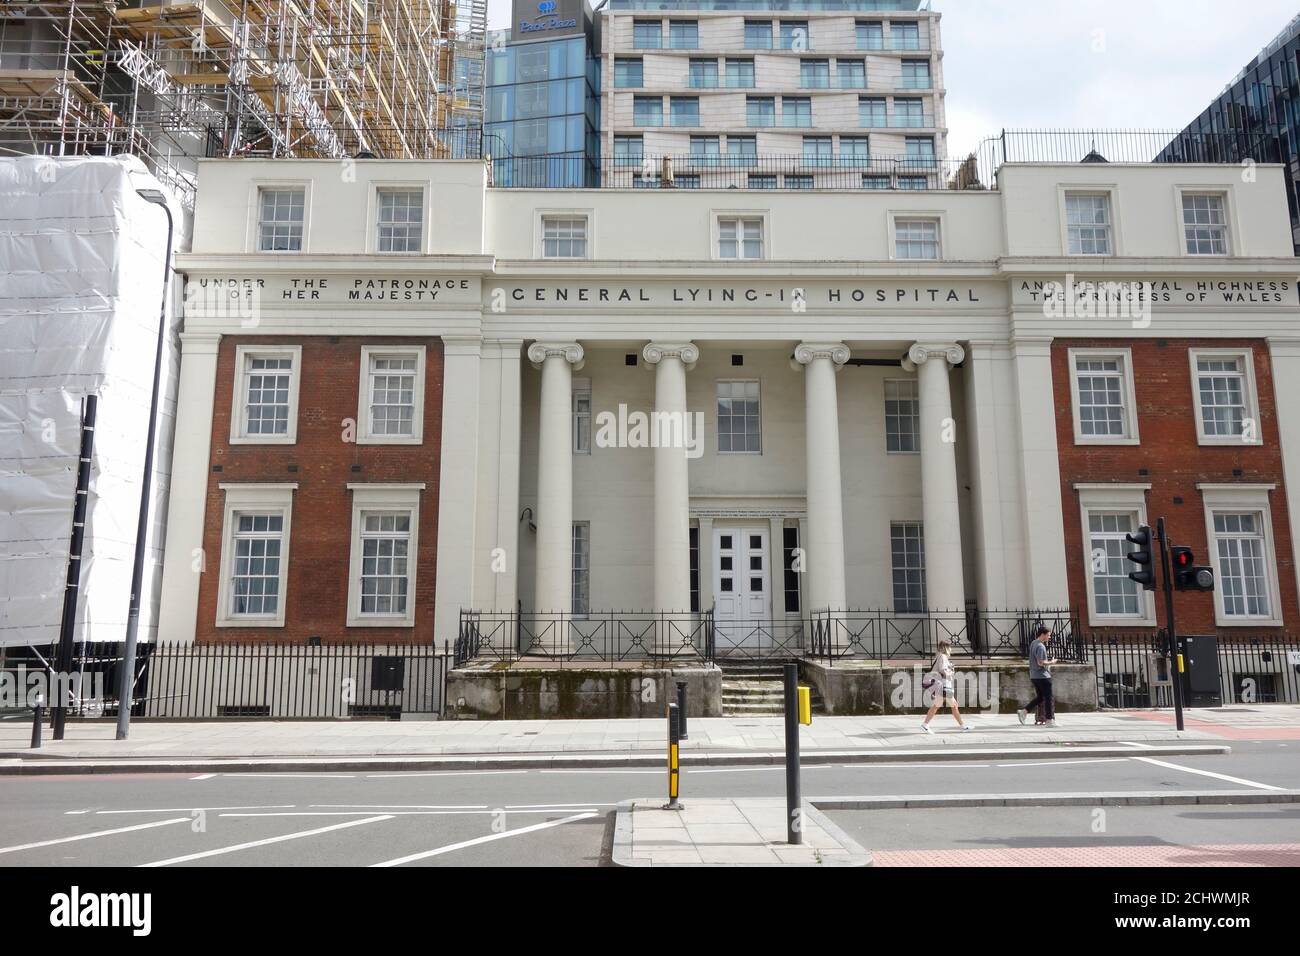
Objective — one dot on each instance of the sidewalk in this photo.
(714, 737)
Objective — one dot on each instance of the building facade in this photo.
(438, 396)
(810, 88)
(1256, 117)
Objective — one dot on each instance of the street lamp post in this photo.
(127, 682)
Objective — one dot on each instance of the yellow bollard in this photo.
(805, 706)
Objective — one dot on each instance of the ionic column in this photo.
(671, 361)
(824, 547)
(945, 588)
(554, 518)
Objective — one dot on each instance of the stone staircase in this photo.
(753, 688)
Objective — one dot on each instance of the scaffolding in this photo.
(179, 79)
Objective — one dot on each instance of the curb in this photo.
(1133, 798)
(275, 764)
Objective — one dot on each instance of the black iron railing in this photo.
(289, 681)
(735, 171)
(888, 635)
(599, 636)
(1133, 669)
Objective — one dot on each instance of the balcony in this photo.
(832, 82)
(706, 82)
(914, 83)
(912, 121)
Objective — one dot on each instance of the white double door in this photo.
(742, 585)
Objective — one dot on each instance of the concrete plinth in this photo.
(533, 690)
(864, 688)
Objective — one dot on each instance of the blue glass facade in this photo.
(542, 113)
(1257, 117)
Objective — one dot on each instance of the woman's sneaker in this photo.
(926, 728)
(965, 727)
(1023, 715)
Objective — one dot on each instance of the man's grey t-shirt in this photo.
(1038, 654)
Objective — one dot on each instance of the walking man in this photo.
(1040, 675)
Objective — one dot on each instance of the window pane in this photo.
(255, 564)
(281, 219)
(392, 394)
(400, 220)
(1101, 397)
(907, 551)
(739, 417)
(385, 562)
(902, 415)
(266, 395)
(1113, 592)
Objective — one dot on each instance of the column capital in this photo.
(656, 352)
(922, 352)
(806, 352)
(539, 352)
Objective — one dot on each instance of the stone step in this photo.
(751, 710)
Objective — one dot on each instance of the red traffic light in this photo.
(1183, 558)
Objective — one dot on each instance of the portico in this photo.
(745, 516)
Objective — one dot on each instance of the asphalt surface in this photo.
(564, 817)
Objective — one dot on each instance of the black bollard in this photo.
(37, 713)
(681, 710)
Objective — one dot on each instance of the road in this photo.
(564, 817)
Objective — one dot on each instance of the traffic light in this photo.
(1187, 576)
(1145, 575)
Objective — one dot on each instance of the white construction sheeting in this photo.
(81, 273)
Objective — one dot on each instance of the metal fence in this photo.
(287, 681)
(888, 635)
(605, 636)
(645, 635)
(743, 171)
(1133, 670)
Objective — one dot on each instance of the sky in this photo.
(1095, 64)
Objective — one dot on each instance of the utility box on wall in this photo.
(1200, 670)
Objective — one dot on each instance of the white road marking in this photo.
(97, 833)
(664, 769)
(1138, 744)
(873, 766)
(255, 843)
(1208, 773)
(485, 839)
(387, 806)
(340, 776)
(1064, 763)
(555, 806)
(413, 813)
(444, 773)
(204, 776)
(273, 806)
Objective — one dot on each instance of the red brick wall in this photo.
(1175, 465)
(316, 595)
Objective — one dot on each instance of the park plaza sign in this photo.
(547, 17)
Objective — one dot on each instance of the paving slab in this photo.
(646, 834)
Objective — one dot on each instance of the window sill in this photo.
(250, 622)
(1228, 441)
(413, 440)
(381, 621)
(1087, 440)
(263, 440)
(1222, 621)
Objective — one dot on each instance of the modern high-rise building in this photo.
(1256, 117)
(778, 93)
(542, 116)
